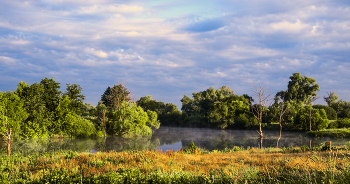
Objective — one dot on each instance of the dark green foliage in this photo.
(333, 124)
(213, 108)
(74, 94)
(331, 113)
(343, 123)
(168, 114)
(113, 97)
(340, 105)
(319, 119)
(51, 93)
(89, 110)
(345, 113)
(245, 121)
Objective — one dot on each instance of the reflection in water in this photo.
(170, 138)
(176, 146)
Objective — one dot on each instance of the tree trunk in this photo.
(310, 119)
(280, 135)
(104, 145)
(261, 140)
(9, 147)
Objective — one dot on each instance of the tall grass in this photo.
(237, 165)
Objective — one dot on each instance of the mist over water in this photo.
(170, 138)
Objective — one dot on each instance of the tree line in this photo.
(42, 110)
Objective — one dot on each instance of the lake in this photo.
(170, 138)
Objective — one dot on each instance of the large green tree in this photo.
(213, 108)
(168, 114)
(12, 108)
(319, 119)
(38, 115)
(51, 93)
(300, 89)
(77, 99)
(131, 119)
(113, 97)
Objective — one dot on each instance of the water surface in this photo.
(171, 138)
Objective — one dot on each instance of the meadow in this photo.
(322, 164)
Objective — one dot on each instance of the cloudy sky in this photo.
(169, 48)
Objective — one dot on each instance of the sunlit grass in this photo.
(237, 165)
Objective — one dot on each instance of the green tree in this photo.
(63, 117)
(12, 115)
(38, 116)
(74, 94)
(331, 98)
(319, 119)
(331, 113)
(51, 93)
(212, 108)
(101, 113)
(168, 114)
(224, 113)
(113, 97)
(12, 107)
(131, 119)
(300, 89)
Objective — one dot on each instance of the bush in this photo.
(331, 113)
(192, 147)
(345, 113)
(343, 123)
(83, 128)
(333, 124)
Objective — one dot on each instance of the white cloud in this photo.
(7, 60)
(288, 27)
(98, 53)
(109, 9)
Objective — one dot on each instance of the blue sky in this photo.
(169, 48)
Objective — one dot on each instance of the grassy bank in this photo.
(237, 165)
(337, 133)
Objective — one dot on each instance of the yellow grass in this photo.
(233, 164)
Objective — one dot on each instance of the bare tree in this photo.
(282, 108)
(7, 133)
(260, 107)
(309, 101)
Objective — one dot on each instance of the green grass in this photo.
(337, 133)
(236, 165)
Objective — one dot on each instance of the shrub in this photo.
(343, 123)
(83, 128)
(331, 113)
(333, 124)
(192, 147)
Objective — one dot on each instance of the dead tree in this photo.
(260, 108)
(281, 110)
(7, 134)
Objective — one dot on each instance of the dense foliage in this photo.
(42, 110)
(168, 114)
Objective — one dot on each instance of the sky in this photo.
(171, 48)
